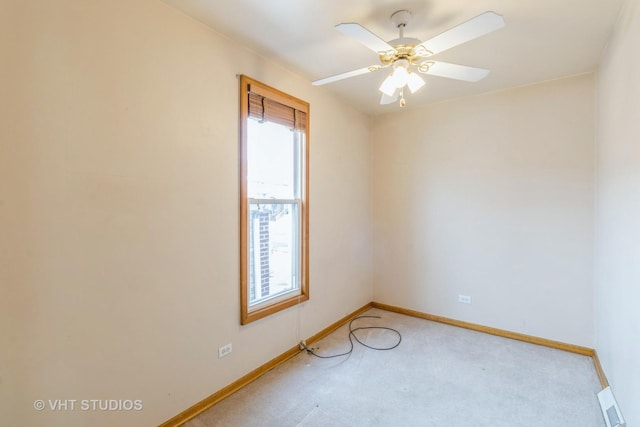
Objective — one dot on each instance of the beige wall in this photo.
(617, 278)
(491, 197)
(119, 211)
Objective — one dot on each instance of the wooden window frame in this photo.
(299, 122)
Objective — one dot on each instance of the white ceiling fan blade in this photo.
(364, 36)
(455, 71)
(346, 75)
(386, 99)
(482, 24)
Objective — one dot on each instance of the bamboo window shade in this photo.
(264, 109)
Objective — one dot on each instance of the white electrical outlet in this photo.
(465, 299)
(224, 350)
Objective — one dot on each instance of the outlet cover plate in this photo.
(465, 299)
(225, 350)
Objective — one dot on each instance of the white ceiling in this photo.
(542, 40)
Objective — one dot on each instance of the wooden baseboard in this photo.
(585, 351)
(335, 325)
(227, 391)
(603, 378)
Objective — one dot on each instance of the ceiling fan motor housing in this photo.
(404, 48)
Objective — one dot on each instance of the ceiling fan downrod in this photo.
(400, 19)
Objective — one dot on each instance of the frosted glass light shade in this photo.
(400, 76)
(414, 82)
(388, 86)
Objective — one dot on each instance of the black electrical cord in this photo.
(353, 336)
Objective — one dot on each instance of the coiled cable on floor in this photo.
(353, 336)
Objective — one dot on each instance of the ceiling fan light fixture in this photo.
(414, 82)
(400, 76)
(388, 86)
(388, 99)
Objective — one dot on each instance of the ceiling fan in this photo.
(405, 53)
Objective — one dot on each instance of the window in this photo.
(274, 211)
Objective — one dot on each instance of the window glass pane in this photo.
(273, 250)
(271, 156)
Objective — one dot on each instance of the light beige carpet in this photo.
(440, 375)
